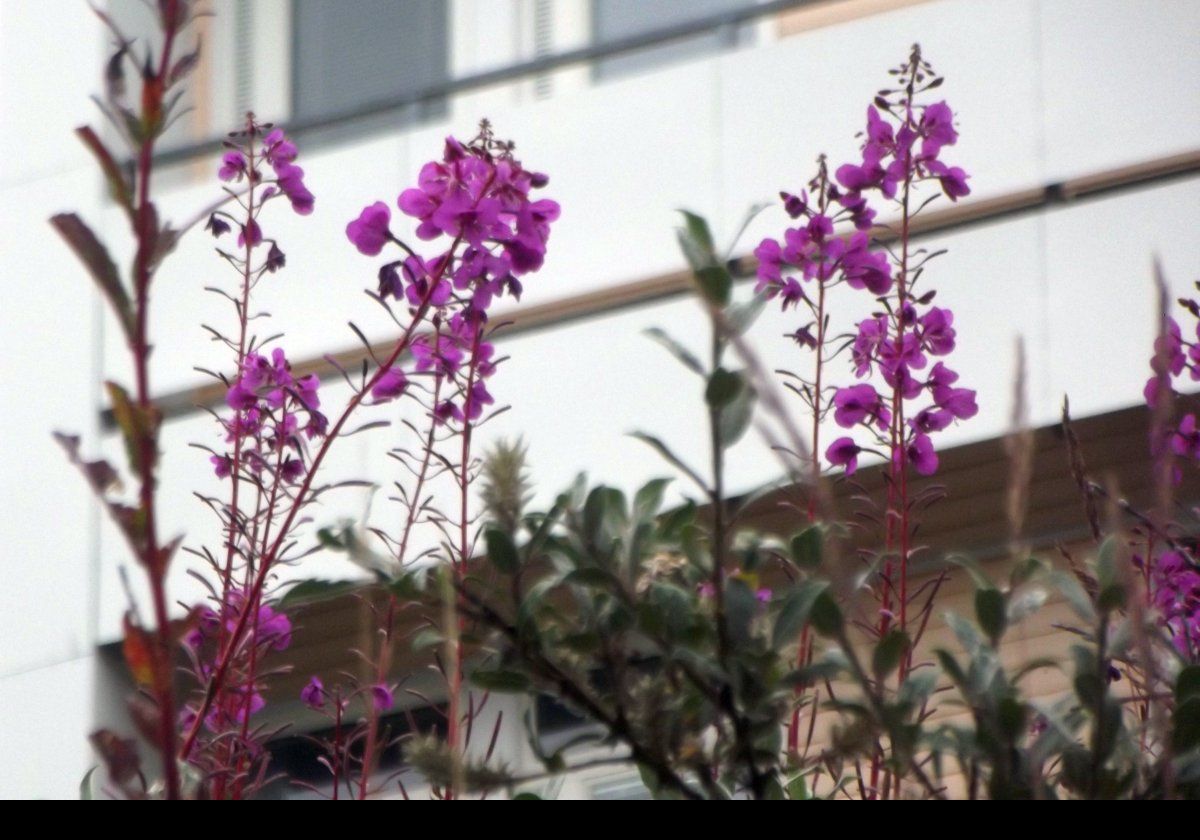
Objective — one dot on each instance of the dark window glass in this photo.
(350, 55)
(616, 19)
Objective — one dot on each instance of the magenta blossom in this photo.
(313, 693)
(843, 452)
(369, 232)
(381, 697)
(857, 404)
(390, 385)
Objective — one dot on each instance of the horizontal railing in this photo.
(519, 71)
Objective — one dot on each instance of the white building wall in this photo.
(1044, 90)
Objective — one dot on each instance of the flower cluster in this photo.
(814, 253)
(1175, 589)
(1173, 357)
(891, 156)
(241, 162)
(269, 404)
(1173, 578)
(270, 630)
(476, 198)
(901, 149)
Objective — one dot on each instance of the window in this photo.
(616, 19)
(348, 56)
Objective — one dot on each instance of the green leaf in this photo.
(1187, 685)
(85, 785)
(794, 612)
(309, 591)
(118, 185)
(501, 551)
(1075, 594)
(888, 652)
(742, 316)
(826, 616)
(1186, 720)
(716, 283)
(138, 425)
(592, 576)
(1012, 716)
(1106, 563)
(797, 788)
(425, 638)
(500, 680)
(698, 233)
(328, 538)
(677, 350)
(527, 795)
(1025, 604)
(951, 667)
(806, 548)
(965, 631)
(735, 417)
(669, 456)
(723, 386)
(991, 613)
(99, 264)
(1112, 597)
(971, 567)
(740, 608)
(1025, 571)
(649, 498)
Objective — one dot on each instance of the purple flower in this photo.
(291, 470)
(276, 259)
(941, 376)
(794, 205)
(476, 399)
(937, 127)
(937, 332)
(958, 401)
(921, 455)
(313, 694)
(871, 333)
(277, 149)
(390, 385)
(233, 166)
(306, 391)
(1185, 441)
(843, 452)
(864, 269)
(381, 697)
(857, 403)
(250, 232)
(274, 628)
(770, 260)
(931, 420)
(222, 465)
(241, 398)
(952, 178)
(252, 703)
(446, 411)
(1175, 587)
(218, 226)
(291, 181)
(369, 232)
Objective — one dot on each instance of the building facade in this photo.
(1079, 123)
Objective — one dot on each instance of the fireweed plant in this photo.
(486, 232)
(904, 343)
(693, 644)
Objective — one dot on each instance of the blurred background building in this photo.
(1079, 123)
